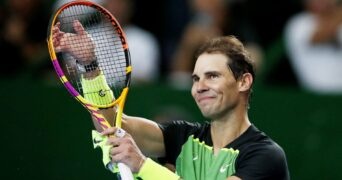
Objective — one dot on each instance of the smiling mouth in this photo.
(203, 99)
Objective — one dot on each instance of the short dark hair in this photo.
(239, 62)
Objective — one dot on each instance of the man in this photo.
(226, 147)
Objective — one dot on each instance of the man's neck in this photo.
(226, 131)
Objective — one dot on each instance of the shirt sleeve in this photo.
(262, 162)
(175, 134)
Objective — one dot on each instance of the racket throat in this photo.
(119, 111)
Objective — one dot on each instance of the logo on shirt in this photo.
(224, 167)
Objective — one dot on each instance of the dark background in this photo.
(47, 135)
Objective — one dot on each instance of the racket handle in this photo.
(125, 172)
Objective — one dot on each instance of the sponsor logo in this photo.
(224, 167)
(102, 93)
(96, 141)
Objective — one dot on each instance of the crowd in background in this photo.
(23, 27)
(164, 34)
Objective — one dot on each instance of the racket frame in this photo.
(93, 108)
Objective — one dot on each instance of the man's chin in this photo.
(207, 114)
(211, 115)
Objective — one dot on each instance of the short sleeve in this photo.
(262, 162)
(175, 134)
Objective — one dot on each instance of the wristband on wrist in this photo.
(101, 94)
(151, 170)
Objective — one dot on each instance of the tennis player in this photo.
(228, 146)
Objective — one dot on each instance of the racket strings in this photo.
(110, 54)
(112, 58)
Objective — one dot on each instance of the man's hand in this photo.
(124, 150)
(79, 45)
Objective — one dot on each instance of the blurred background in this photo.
(297, 98)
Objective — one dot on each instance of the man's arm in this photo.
(125, 150)
(146, 133)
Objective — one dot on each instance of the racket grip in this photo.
(125, 172)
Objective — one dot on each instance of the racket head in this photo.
(108, 45)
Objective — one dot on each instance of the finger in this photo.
(57, 35)
(120, 133)
(56, 43)
(78, 27)
(116, 158)
(115, 150)
(56, 28)
(121, 144)
(108, 131)
(113, 141)
(118, 154)
(58, 24)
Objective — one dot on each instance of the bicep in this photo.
(146, 134)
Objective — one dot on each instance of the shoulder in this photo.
(180, 126)
(263, 162)
(175, 134)
(255, 142)
(259, 152)
(178, 132)
(261, 157)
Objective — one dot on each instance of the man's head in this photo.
(222, 77)
(239, 59)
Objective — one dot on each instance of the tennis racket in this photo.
(90, 55)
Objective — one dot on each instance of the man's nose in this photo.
(201, 86)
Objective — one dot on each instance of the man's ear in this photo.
(245, 82)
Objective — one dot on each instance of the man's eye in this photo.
(213, 76)
(195, 79)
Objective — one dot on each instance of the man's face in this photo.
(214, 87)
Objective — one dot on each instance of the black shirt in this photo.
(259, 156)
